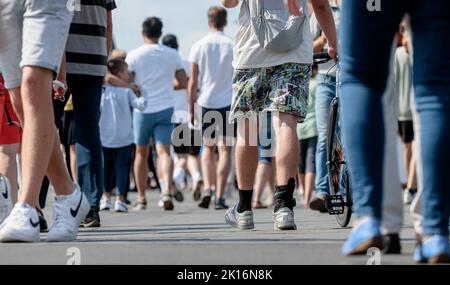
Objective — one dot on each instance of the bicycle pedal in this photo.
(335, 205)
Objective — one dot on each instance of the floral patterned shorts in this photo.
(283, 88)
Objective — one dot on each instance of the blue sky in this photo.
(184, 18)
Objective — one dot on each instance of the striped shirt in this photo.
(86, 49)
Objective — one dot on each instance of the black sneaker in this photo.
(220, 204)
(392, 244)
(92, 220)
(205, 202)
(178, 196)
(319, 203)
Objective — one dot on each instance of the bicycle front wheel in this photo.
(338, 176)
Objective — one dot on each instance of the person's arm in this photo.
(109, 32)
(60, 92)
(113, 80)
(319, 43)
(180, 81)
(325, 18)
(192, 90)
(230, 3)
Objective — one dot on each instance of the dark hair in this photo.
(171, 41)
(217, 16)
(116, 65)
(152, 27)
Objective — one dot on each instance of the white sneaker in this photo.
(120, 207)
(283, 219)
(243, 221)
(68, 212)
(5, 198)
(105, 204)
(22, 225)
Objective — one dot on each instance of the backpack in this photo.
(274, 27)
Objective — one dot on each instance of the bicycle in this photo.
(339, 202)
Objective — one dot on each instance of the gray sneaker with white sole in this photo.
(243, 221)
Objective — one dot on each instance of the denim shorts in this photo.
(153, 125)
(32, 33)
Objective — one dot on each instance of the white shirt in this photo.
(214, 56)
(155, 66)
(249, 54)
(116, 117)
(180, 104)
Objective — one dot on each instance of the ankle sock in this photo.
(245, 200)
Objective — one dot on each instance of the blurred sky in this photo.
(185, 18)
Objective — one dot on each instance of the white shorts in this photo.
(32, 33)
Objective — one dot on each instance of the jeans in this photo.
(86, 94)
(117, 168)
(366, 39)
(325, 92)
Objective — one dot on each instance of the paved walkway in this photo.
(190, 235)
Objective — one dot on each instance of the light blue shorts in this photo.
(32, 33)
(153, 125)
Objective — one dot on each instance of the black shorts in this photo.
(193, 143)
(216, 121)
(307, 163)
(406, 131)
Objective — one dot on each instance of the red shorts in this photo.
(9, 133)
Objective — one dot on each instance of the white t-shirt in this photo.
(214, 56)
(116, 117)
(155, 66)
(249, 54)
(180, 103)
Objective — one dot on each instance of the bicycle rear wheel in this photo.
(338, 176)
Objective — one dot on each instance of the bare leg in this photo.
(141, 169)
(412, 179)
(264, 178)
(8, 166)
(38, 135)
(73, 163)
(208, 165)
(309, 186)
(246, 157)
(165, 167)
(285, 126)
(223, 169)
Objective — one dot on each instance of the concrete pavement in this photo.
(190, 235)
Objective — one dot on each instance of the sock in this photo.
(178, 175)
(284, 195)
(245, 200)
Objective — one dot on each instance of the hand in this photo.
(292, 7)
(332, 52)
(59, 89)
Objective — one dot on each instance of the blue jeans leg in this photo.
(366, 41)
(325, 92)
(432, 90)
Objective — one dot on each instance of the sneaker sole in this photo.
(285, 226)
(376, 242)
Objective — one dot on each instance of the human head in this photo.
(119, 68)
(152, 28)
(217, 18)
(118, 54)
(171, 41)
